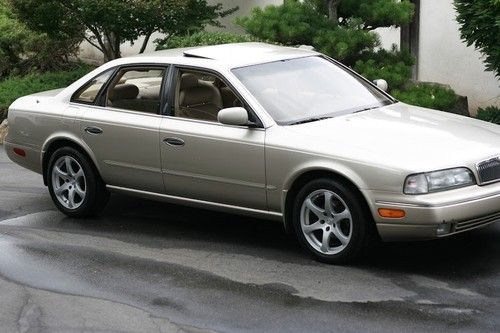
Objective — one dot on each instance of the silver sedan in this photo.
(274, 132)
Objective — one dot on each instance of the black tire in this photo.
(96, 196)
(361, 219)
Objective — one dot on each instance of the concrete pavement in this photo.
(146, 267)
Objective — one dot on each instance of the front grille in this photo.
(477, 222)
(489, 171)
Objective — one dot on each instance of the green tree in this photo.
(108, 24)
(22, 49)
(342, 29)
(480, 26)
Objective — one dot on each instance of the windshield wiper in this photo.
(367, 109)
(309, 120)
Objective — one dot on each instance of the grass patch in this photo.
(14, 87)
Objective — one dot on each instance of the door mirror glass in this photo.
(381, 84)
(236, 116)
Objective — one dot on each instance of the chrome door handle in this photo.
(93, 130)
(174, 142)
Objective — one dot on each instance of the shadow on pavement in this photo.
(460, 257)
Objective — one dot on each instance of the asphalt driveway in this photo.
(152, 267)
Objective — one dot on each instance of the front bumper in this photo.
(438, 214)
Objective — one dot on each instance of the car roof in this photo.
(224, 55)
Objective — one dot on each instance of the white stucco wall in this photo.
(444, 58)
(389, 36)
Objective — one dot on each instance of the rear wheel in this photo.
(330, 222)
(74, 185)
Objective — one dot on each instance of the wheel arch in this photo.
(301, 178)
(64, 140)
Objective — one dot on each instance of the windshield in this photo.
(307, 89)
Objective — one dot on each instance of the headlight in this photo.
(438, 181)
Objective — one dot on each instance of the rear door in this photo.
(122, 127)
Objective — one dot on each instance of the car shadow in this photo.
(461, 256)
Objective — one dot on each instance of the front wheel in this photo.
(330, 222)
(74, 185)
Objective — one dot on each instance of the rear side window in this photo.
(88, 93)
(136, 89)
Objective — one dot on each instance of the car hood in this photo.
(403, 136)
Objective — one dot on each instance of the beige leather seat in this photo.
(198, 101)
(125, 96)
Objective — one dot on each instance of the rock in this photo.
(461, 107)
(4, 128)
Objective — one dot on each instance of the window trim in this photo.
(168, 111)
(73, 99)
(100, 100)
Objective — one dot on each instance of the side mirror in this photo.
(236, 116)
(381, 84)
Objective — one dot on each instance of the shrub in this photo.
(393, 66)
(491, 114)
(432, 96)
(17, 86)
(203, 38)
(480, 26)
(291, 23)
(23, 50)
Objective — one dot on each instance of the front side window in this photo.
(89, 92)
(295, 90)
(136, 89)
(201, 95)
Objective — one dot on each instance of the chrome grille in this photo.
(489, 170)
(477, 222)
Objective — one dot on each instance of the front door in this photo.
(204, 159)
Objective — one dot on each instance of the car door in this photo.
(122, 128)
(203, 159)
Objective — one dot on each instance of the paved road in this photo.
(151, 267)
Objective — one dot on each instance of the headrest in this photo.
(123, 91)
(198, 95)
(188, 81)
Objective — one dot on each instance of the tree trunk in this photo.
(111, 46)
(145, 43)
(332, 6)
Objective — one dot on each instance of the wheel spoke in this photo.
(61, 189)
(312, 227)
(79, 174)
(71, 197)
(69, 168)
(342, 215)
(61, 173)
(340, 235)
(80, 192)
(315, 209)
(328, 203)
(325, 242)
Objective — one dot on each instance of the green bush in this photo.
(17, 86)
(393, 66)
(491, 114)
(291, 23)
(203, 38)
(432, 96)
(23, 50)
(480, 27)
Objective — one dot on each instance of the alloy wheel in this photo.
(326, 222)
(69, 182)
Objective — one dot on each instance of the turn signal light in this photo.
(20, 152)
(391, 213)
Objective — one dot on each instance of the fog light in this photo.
(443, 229)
